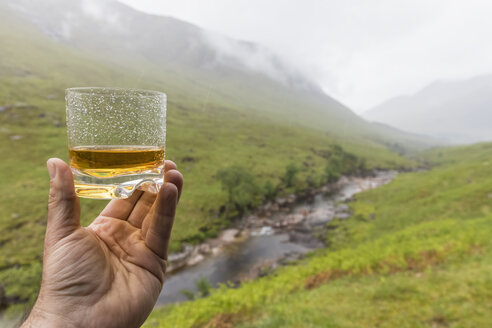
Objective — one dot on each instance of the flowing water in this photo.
(268, 245)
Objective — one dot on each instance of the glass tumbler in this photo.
(116, 140)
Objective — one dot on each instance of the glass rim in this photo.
(115, 92)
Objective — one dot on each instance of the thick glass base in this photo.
(115, 187)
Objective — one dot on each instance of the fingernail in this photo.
(51, 169)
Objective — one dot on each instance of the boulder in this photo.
(280, 201)
(204, 248)
(340, 208)
(229, 235)
(291, 198)
(193, 260)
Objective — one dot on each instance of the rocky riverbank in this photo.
(285, 215)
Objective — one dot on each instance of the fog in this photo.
(244, 54)
(361, 52)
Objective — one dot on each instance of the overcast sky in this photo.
(362, 52)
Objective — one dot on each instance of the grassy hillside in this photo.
(416, 253)
(184, 63)
(457, 154)
(213, 123)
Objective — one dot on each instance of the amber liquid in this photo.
(111, 161)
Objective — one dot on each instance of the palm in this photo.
(108, 264)
(113, 269)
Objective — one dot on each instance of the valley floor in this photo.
(416, 253)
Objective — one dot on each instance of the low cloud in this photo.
(256, 58)
(362, 52)
(94, 9)
(101, 11)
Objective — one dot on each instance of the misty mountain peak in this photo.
(110, 29)
(458, 111)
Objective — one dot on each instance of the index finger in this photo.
(158, 224)
(169, 165)
(121, 208)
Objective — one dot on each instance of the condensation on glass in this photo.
(116, 140)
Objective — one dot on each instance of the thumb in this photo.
(64, 205)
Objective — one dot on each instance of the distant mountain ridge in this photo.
(456, 111)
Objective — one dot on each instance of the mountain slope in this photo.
(185, 60)
(458, 111)
(101, 27)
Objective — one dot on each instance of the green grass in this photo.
(417, 253)
(448, 155)
(442, 296)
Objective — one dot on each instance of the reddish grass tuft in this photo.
(418, 263)
(223, 320)
(424, 260)
(323, 277)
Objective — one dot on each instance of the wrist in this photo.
(40, 318)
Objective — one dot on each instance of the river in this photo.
(267, 239)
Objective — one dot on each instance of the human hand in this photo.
(110, 273)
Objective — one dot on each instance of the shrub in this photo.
(203, 287)
(332, 171)
(188, 294)
(312, 182)
(340, 162)
(269, 190)
(290, 177)
(241, 187)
